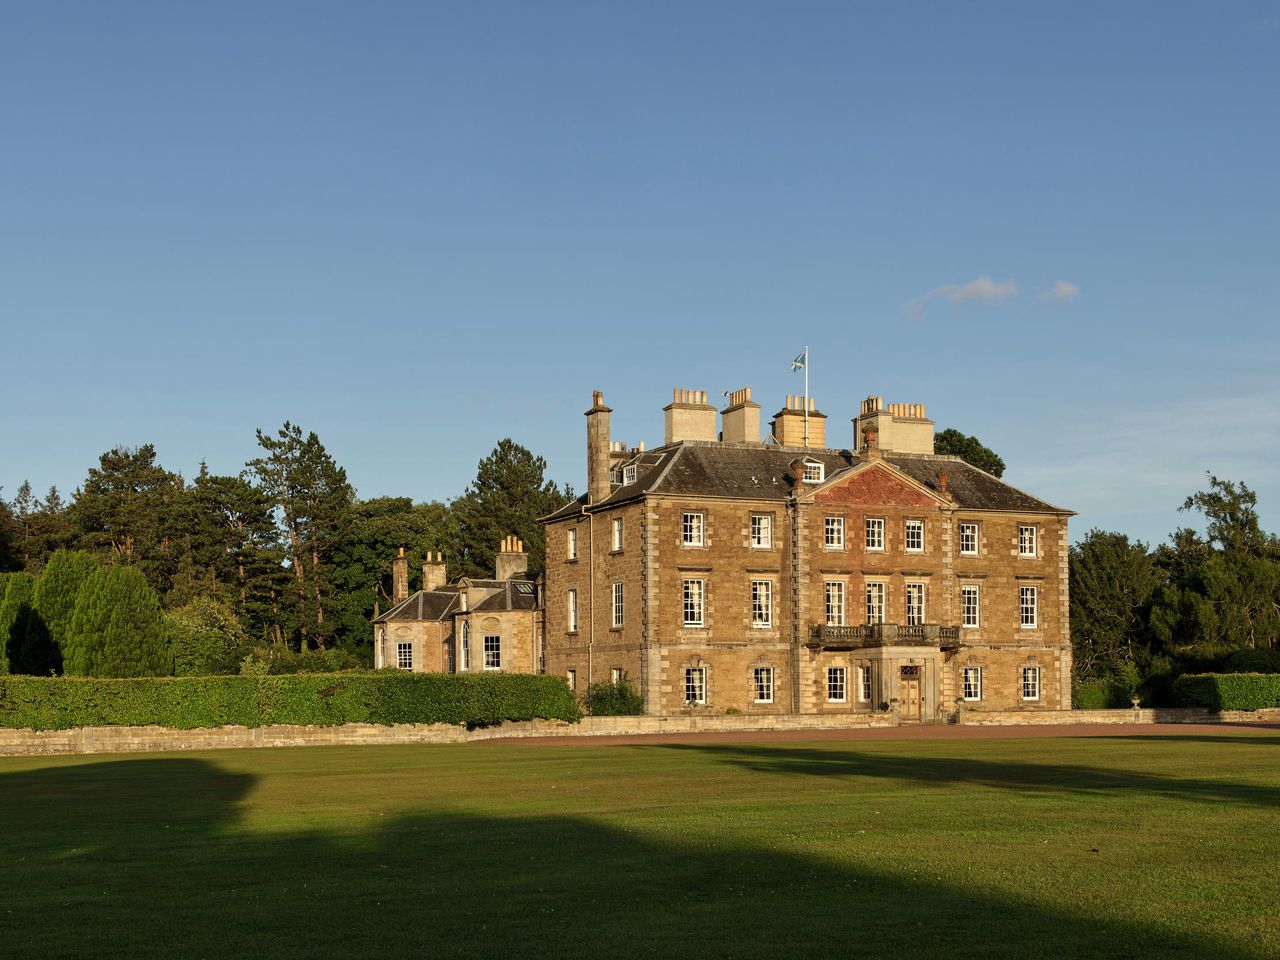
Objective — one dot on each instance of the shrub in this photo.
(15, 616)
(385, 697)
(1100, 695)
(205, 638)
(116, 629)
(609, 699)
(1228, 691)
(57, 589)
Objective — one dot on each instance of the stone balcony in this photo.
(933, 635)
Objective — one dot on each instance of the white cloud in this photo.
(980, 290)
(1062, 291)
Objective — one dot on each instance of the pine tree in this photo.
(314, 500)
(15, 613)
(116, 629)
(509, 494)
(55, 598)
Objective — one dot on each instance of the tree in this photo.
(1223, 591)
(15, 614)
(1112, 583)
(55, 599)
(313, 498)
(9, 536)
(509, 494)
(969, 449)
(130, 507)
(362, 561)
(205, 638)
(116, 629)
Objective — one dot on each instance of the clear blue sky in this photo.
(418, 228)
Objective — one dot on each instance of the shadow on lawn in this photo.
(147, 858)
(1059, 778)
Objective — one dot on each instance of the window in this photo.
(404, 656)
(615, 676)
(969, 605)
(465, 659)
(617, 533)
(693, 596)
(693, 523)
(814, 472)
(835, 603)
(864, 684)
(571, 546)
(969, 539)
(492, 653)
(875, 533)
(571, 678)
(915, 604)
(875, 602)
(1026, 541)
(915, 536)
(762, 603)
(617, 604)
(628, 475)
(695, 685)
(833, 533)
(571, 624)
(761, 530)
(763, 682)
(1030, 683)
(836, 684)
(973, 683)
(1027, 603)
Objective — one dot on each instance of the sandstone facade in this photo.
(760, 578)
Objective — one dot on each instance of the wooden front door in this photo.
(909, 694)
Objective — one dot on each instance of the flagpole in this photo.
(806, 397)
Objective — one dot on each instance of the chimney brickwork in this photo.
(511, 561)
(434, 575)
(598, 449)
(789, 424)
(689, 417)
(400, 578)
(897, 427)
(740, 421)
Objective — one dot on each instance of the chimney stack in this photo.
(597, 449)
(898, 427)
(512, 561)
(689, 417)
(740, 420)
(434, 575)
(789, 424)
(400, 578)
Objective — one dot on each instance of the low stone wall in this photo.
(17, 743)
(1131, 715)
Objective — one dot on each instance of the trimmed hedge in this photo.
(1099, 695)
(384, 696)
(1228, 691)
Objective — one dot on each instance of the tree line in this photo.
(1203, 602)
(282, 556)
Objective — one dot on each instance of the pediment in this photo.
(876, 484)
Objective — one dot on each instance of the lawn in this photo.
(1156, 846)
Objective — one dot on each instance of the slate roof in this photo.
(515, 595)
(764, 473)
(423, 605)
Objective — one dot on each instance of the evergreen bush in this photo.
(1228, 691)
(384, 697)
(15, 616)
(1100, 695)
(56, 592)
(608, 699)
(116, 628)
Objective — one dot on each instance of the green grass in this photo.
(1162, 846)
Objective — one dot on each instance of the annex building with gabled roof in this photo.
(724, 571)
(470, 625)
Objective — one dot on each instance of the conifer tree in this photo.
(15, 612)
(116, 629)
(55, 599)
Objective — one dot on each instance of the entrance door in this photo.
(909, 693)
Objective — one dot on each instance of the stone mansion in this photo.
(726, 572)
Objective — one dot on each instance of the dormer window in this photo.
(628, 475)
(814, 472)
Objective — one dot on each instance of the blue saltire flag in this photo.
(798, 363)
